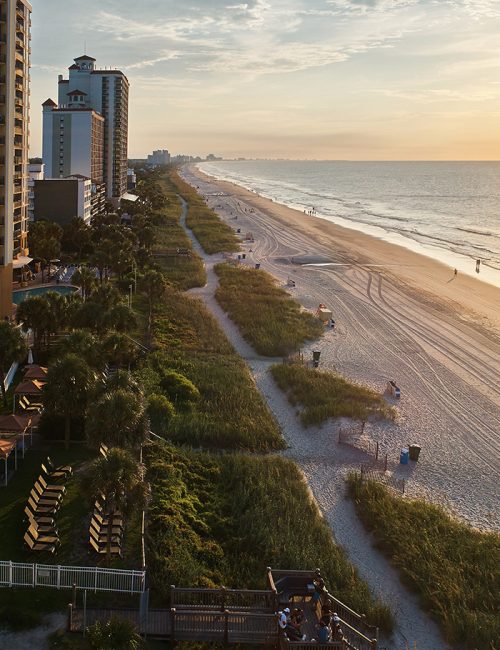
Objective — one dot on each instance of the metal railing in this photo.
(222, 599)
(20, 574)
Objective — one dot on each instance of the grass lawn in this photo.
(213, 234)
(268, 318)
(322, 395)
(453, 567)
(220, 520)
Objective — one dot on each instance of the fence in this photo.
(355, 437)
(20, 574)
(221, 599)
(373, 474)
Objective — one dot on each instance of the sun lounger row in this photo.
(43, 504)
(105, 530)
(30, 407)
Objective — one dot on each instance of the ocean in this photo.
(449, 211)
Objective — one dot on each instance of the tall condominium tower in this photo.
(106, 93)
(15, 23)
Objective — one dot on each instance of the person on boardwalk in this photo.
(296, 621)
(319, 587)
(324, 633)
(337, 633)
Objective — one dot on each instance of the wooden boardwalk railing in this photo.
(223, 598)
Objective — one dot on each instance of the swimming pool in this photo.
(22, 294)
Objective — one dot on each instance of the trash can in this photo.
(239, 230)
(239, 257)
(243, 256)
(316, 355)
(415, 452)
(404, 456)
(257, 266)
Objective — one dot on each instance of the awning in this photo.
(6, 447)
(30, 387)
(21, 261)
(129, 197)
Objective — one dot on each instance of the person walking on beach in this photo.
(456, 273)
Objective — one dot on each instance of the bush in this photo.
(115, 634)
(179, 389)
(323, 395)
(268, 318)
(453, 567)
(160, 412)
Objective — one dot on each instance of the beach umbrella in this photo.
(30, 357)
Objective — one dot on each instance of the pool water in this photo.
(22, 294)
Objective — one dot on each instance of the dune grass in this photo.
(322, 395)
(268, 318)
(231, 413)
(212, 233)
(454, 568)
(220, 520)
(182, 271)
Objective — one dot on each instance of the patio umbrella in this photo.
(30, 356)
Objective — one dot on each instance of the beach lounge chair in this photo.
(44, 501)
(103, 450)
(43, 529)
(46, 539)
(102, 549)
(38, 508)
(43, 520)
(50, 487)
(53, 476)
(64, 469)
(43, 494)
(102, 538)
(26, 405)
(34, 545)
(103, 520)
(102, 529)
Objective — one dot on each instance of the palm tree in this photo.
(118, 418)
(58, 313)
(120, 318)
(86, 346)
(84, 277)
(119, 477)
(119, 350)
(70, 382)
(12, 348)
(34, 314)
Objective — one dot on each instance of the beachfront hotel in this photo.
(15, 23)
(86, 132)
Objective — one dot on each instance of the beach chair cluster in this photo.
(43, 504)
(106, 529)
(28, 393)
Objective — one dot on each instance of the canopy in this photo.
(14, 423)
(30, 387)
(6, 447)
(21, 261)
(130, 197)
(36, 372)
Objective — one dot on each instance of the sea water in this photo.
(446, 210)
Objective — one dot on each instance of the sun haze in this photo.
(325, 79)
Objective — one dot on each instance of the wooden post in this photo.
(74, 594)
(374, 644)
(172, 625)
(223, 599)
(376, 452)
(70, 617)
(172, 592)
(226, 627)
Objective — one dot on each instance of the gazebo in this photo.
(18, 425)
(35, 372)
(6, 449)
(28, 387)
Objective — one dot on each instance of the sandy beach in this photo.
(401, 316)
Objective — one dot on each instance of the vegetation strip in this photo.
(219, 520)
(268, 318)
(322, 395)
(213, 234)
(453, 567)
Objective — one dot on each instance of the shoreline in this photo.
(463, 263)
(465, 297)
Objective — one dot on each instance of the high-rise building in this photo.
(159, 157)
(106, 93)
(15, 29)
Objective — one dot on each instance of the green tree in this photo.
(120, 318)
(58, 313)
(119, 477)
(34, 314)
(118, 418)
(153, 284)
(119, 350)
(77, 238)
(70, 382)
(86, 346)
(84, 277)
(160, 412)
(45, 242)
(12, 348)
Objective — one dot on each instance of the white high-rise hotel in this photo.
(15, 22)
(87, 131)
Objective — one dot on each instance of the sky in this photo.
(300, 79)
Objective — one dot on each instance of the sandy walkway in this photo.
(438, 341)
(325, 465)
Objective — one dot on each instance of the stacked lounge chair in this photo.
(99, 529)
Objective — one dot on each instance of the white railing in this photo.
(20, 574)
(10, 375)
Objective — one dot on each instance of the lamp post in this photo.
(134, 267)
(130, 296)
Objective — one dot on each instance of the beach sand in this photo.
(401, 316)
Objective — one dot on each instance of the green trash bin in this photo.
(414, 452)
(316, 355)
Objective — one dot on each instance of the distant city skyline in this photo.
(306, 79)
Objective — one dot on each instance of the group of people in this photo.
(328, 629)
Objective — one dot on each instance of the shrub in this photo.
(115, 634)
(453, 567)
(160, 412)
(268, 318)
(179, 389)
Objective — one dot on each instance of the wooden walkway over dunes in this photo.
(233, 616)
